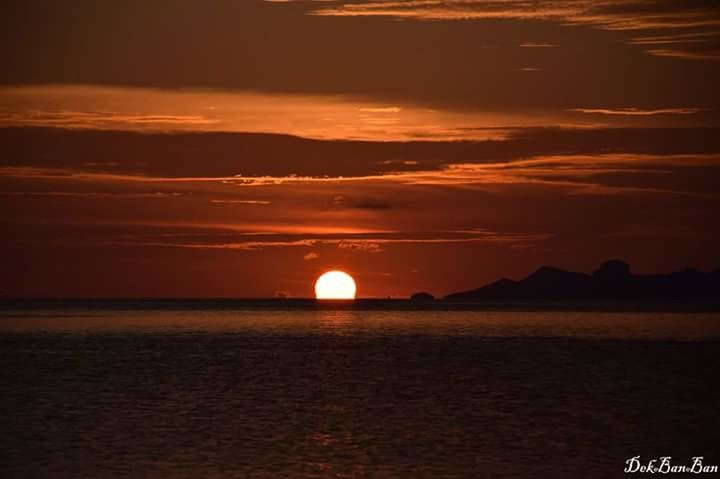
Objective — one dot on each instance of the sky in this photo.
(179, 148)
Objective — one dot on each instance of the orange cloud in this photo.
(368, 243)
(611, 14)
(620, 15)
(364, 246)
(577, 173)
(304, 115)
(240, 202)
(638, 111)
(537, 45)
(685, 54)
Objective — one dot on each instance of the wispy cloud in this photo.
(608, 14)
(364, 243)
(103, 120)
(620, 15)
(676, 38)
(638, 111)
(576, 174)
(91, 195)
(388, 109)
(240, 202)
(685, 54)
(364, 246)
(694, 45)
(305, 115)
(537, 45)
(321, 117)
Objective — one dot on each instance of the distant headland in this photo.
(612, 281)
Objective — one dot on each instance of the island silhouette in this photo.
(611, 281)
(422, 296)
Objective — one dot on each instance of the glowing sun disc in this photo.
(335, 285)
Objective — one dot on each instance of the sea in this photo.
(386, 389)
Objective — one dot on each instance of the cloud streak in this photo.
(84, 107)
(321, 117)
(103, 120)
(689, 17)
(365, 243)
(638, 111)
(575, 173)
(537, 45)
(241, 202)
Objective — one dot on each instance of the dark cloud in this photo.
(218, 155)
(279, 47)
(344, 202)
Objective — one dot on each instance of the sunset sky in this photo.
(239, 148)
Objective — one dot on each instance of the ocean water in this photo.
(178, 391)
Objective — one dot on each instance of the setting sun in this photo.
(335, 285)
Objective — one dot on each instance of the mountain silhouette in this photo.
(611, 281)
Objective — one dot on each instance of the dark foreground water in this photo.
(177, 393)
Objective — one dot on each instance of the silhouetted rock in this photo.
(612, 270)
(423, 296)
(499, 289)
(611, 281)
(552, 283)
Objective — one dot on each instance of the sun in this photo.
(335, 285)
